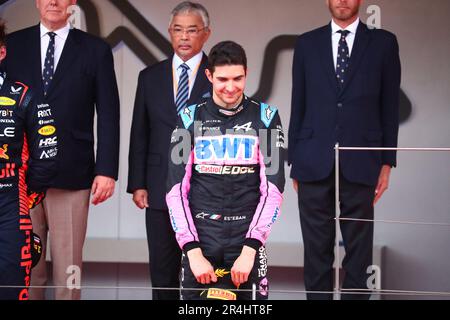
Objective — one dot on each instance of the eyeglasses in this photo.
(191, 32)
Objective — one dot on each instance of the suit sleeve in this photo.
(271, 187)
(298, 99)
(42, 142)
(181, 158)
(390, 101)
(140, 133)
(108, 115)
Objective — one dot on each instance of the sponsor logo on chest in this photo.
(219, 149)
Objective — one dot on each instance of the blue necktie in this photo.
(49, 66)
(343, 58)
(183, 88)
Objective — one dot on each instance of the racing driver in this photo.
(28, 148)
(225, 184)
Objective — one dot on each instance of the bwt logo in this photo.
(232, 149)
(221, 148)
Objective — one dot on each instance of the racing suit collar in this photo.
(216, 109)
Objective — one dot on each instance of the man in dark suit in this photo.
(346, 82)
(164, 88)
(73, 72)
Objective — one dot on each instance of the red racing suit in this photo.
(28, 149)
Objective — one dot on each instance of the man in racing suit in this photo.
(28, 147)
(223, 197)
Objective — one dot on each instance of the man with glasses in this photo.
(163, 90)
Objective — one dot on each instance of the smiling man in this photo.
(73, 72)
(223, 199)
(163, 89)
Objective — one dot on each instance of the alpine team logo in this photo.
(246, 127)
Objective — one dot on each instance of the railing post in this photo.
(337, 256)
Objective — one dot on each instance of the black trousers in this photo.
(164, 255)
(317, 213)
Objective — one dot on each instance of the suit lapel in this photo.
(70, 52)
(326, 54)
(200, 82)
(362, 40)
(167, 90)
(36, 64)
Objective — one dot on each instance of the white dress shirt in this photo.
(60, 41)
(337, 36)
(193, 63)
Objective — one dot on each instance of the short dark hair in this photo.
(226, 53)
(2, 33)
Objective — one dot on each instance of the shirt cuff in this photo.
(253, 243)
(191, 245)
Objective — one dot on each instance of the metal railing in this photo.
(337, 148)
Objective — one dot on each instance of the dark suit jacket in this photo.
(362, 114)
(154, 119)
(84, 82)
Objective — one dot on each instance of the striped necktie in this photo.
(49, 66)
(183, 88)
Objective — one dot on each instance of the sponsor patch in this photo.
(262, 257)
(246, 127)
(234, 218)
(15, 91)
(47, 131)
(264, 287)
(6, 113)
(226, 147)
(220, 294)
(220, 273)
(49, 142)
(44, 113)
(173, 221)
(9, 132)
(8, 171)
(3, 154)
(267, 114)
(203, 215)
(187, 115)
(45, 122)
(47, 154)
(224, 170)
(274, 217)
(5, 101)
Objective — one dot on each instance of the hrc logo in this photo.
(217, 149)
